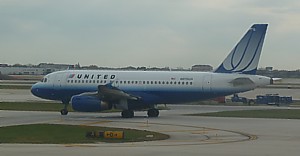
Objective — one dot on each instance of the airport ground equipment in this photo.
(273, 99)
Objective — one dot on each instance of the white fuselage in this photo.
(152, 86)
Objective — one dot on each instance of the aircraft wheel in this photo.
(64, 112)
(127, 114)
(153, 113)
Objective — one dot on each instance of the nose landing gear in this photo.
(65, 111)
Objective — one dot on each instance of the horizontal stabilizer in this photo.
(242, 81)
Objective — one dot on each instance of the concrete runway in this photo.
(17, 95)
(189, 135)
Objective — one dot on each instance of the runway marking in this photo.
(209, 135)
(190, 134)
(96, 123)
(192, 131)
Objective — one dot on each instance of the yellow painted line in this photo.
(206, 130)
(200, 132)
(253, 137)
(189, 141)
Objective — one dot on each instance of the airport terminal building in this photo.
(41, 69)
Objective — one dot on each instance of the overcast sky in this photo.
(161, 33)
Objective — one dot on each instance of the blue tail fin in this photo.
(245, 55)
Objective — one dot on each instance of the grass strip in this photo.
(271, 113)
(48, 106)
(69, 134)
(33, 106)
(15, 87)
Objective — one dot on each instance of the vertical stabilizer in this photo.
(245, 55)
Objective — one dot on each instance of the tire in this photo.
(153, 113)
(64, 112)
(127, 114)
(251, 102)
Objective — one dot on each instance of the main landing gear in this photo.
(153, 112)
(130, 113)
(65, 111)
(127, 114)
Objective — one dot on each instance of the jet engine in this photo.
(86, 103)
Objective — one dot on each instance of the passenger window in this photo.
(128, 82)
(87, 81)
(151, 82)
(144, 82)
(94, 81)
(132, 82)
(124, 82)
(97, 81)
(104, 81)
(163, 82)
(68, 81)
(90, 81)
(191, 83)
(136, 82)
(155, 82)
(171, 82)
(75, 81)
(120, 82)
(71, 81)
(147, 82)
(187, 83)
(175, 82)
(179, 83)
(167, 82)
(45, 80)
(101, 81)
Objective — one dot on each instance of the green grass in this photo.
(67, 134)
(272, 113)
(47, 106)
(32, 106)
(15, 87)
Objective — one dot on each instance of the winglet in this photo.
(245, 55)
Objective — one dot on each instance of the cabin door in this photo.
(206, 83)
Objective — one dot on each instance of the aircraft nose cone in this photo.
(34, 90)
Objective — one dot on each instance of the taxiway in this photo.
(189, 135)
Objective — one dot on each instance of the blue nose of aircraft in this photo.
(35, 90)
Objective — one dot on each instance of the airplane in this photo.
(99, 90)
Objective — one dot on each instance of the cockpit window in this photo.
(44, 80)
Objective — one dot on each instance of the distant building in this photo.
(56, 66)
(21, 71)
(41, 69)
(202, 68)
(3, 65)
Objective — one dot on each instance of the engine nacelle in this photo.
(85, 103)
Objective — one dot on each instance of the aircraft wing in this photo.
(110, 93)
